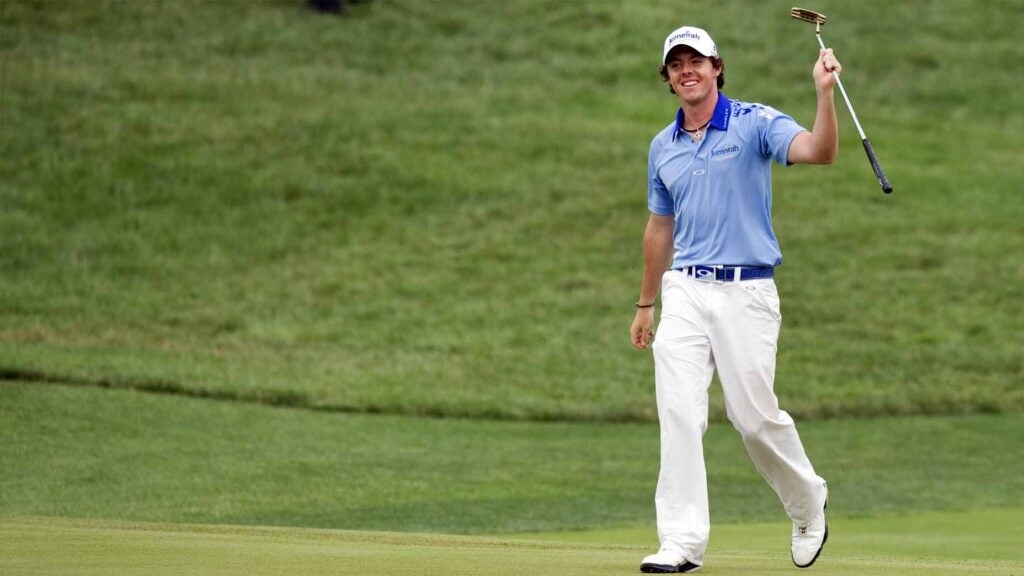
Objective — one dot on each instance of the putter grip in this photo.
(882, 180)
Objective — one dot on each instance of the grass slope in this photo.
(35, 547)
(435, 207)
(88, 453)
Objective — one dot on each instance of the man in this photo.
(709, 194)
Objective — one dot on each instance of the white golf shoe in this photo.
(809, 540)
(667, 562)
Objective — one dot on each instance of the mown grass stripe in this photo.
(38, 545)
(298, 398)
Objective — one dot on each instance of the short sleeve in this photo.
(659, 200)
(777, 131)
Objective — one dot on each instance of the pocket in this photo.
(763, 297)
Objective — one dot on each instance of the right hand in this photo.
(642, 331)
(823, 69)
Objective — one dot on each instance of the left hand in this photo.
(823, 68)
(642, 330)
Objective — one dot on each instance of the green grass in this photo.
(117, 454)
(880, 546)
(966, 535)
(436, 207)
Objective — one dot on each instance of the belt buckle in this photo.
(708, 273)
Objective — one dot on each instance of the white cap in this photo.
(695, 38)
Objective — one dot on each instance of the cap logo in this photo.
(682, 35)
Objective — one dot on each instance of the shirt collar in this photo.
(719, 118)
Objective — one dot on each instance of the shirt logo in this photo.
(725, 152)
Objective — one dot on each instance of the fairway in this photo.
(82, 452)
(877, 546)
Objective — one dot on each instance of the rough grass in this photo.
(435, 207)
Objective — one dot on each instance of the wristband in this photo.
(639, 305)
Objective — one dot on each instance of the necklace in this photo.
(697, 133)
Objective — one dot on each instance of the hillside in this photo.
(436, 207)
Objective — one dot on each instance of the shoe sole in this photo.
(688, 567)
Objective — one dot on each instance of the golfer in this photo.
(710, 197)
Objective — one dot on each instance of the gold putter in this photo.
(819, 19)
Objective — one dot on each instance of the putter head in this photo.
(808, 15)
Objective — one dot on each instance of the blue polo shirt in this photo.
(720, 189)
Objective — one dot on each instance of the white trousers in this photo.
(732, 327)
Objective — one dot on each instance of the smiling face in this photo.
(692, 76)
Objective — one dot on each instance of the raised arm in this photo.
(821, 144)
